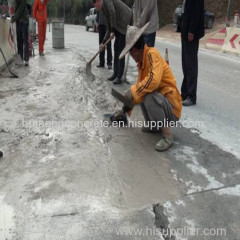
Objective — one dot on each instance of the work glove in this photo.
(128, 95)
(119, 117)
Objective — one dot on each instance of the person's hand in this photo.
(101, 47)
(12, 20)
(112, 35)
(119, 117)
(190, 37)
(128, 95)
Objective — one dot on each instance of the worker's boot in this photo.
(112, 77)
(117, 81)
(164, 144)
(19, 61)
(100, 65)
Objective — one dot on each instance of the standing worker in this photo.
(101, 26)
(117, 16)
(145, 11)
(21, 19)
(40, 14)
(192, 30)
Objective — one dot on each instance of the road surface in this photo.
(63, 176)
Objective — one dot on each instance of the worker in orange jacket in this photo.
(155, 89)
(40, 14)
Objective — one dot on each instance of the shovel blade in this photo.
(89, 71)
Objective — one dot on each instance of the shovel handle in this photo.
(105, 44)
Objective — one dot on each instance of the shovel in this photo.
(88, 66)
(8, 68)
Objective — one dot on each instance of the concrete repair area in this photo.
(71, 182)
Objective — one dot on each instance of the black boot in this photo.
(117, 81)
(112, 77)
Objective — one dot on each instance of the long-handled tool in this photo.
(13, 74)
(126, 69)
(88, 66)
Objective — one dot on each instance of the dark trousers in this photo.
(101, 32)
(149, 39)
(119, 65)
(22, 40)
(190, 68)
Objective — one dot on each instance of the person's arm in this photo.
(35, 8)
(146, 13)
(20, 11)
(151, 82)
(197, 11)
(108, 31)
(112, 13)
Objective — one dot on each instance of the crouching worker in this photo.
(155, 88)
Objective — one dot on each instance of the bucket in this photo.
(32, 27)
(58, 33)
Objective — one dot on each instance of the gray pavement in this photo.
(66, 181)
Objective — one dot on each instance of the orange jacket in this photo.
(156, 75)
(40, 10)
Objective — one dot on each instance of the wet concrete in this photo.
(85, 182)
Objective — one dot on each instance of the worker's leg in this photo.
(121, 64)
(156, 108)
(184, 89)
(25, 40)
(109, 54)
(189, 85)
(149, 39)
(158, 111)
(192, 64)
(101, 33)
(116, 54)
(20, 39)
(44, 32)
(40, 36)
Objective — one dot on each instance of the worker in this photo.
(101, 27)
(145, 11)
(118, 16)
(155, 89)
(22, 22)
(192, 30)
(40, 15)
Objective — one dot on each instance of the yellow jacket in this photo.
(155, 75)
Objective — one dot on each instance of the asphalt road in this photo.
(81, 182)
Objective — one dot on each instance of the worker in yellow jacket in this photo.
(155, 88)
